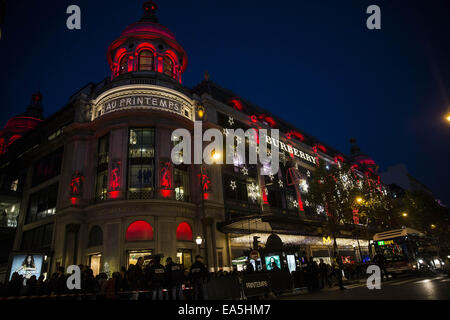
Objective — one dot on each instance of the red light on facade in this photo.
(339, 158)
(73, 200)
(166, 193)
(322, 148)
(297, 135)
(270, 121)
(165, 176)
(184, 232)
(115, 180)
(76, 184)
(114, 194)
(206, 196)
(236, 104)
(355, 216)
(264, 196)
(253, 118)
(139, 231)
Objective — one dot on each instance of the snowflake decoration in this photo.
(253, 191)
(280, 183)
(307, 203)
(308, 173)
(320, 209)
(225, 132)
(271, 177)
(239, 140)
(244, 171)
(233, 184)
(230, 121)
(295, 203)
(304, 185)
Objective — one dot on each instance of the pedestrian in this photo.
(380, 261)
(248, 267)
(199, 277)
(175, 277)
(157, 276)
(323, 271)
(313, 275)
(338, 267)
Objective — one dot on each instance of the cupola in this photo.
(147, 47)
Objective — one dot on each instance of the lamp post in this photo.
(198, 241)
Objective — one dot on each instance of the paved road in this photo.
(411, 288)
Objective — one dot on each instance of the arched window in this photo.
(146, 60)
(168, 66)
(95, 237)
(139, 230)
(184, 232)
(123, 65)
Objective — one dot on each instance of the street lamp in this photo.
(198, 241)
(433, 226)
(405, 214)
(216, 156)
(447, 117)
(359, 199)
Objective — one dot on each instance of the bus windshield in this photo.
(394, 249)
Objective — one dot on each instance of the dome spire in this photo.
(34, 109)
(150, 12)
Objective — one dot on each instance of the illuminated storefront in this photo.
(100, 188)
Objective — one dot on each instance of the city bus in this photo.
(408, 250)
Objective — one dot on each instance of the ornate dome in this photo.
(147, 46)
(17, 126)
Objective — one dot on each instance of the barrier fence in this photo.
(221, 288)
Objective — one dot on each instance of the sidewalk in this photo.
(304, 290)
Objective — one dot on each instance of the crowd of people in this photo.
(316, 276)
(153, 281)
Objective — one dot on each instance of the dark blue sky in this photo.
(314, 63)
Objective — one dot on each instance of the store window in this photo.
(102, 168)
(95, 236)
(39, 238)
(168, 66)
(181, 182)
(133, 256)
(95, 263)
(146, 60)
(139, 231)
(42, 204)
(123, 65)
(184, 257)
(141, 163)
(236, 189)
(184, 232)
(48, 167)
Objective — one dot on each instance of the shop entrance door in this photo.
(95, 263)
(184, 257)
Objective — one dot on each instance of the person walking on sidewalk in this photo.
(323, 271)
(337, 266)
(380, 260)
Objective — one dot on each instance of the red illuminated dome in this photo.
(147, 46)
(363, 161)
(17, 126)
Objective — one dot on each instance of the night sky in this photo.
(313, 63)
